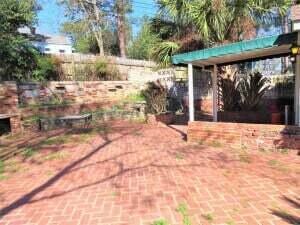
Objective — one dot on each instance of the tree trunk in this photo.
(98, 32)
(121, 27)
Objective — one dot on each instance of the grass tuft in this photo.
(179, 156)
(55, 156)
(29, 152)
(208, 216)
(182, 209)
(160, 222)
(245, 157)
(216, 144)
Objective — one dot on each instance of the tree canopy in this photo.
(16, 52)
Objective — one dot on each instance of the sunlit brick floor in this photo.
(137, 174)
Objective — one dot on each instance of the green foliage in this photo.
(245, 94)
(101, 70)
(162, 52)
(252, 89)
(142, 45)
(17, 55)
(160, 222)
(136, 97)
(217, 21)
(48, 68)
(156, 98)
(105, 71)
(28, 152)
(182, 209)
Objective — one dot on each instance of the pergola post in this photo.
(297, 87)
(191, 93)
(215, 93)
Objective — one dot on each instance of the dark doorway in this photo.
(5, 126)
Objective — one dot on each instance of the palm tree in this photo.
(218, 21)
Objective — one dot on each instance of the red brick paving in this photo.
(138, 174)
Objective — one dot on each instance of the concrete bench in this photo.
(70, 119)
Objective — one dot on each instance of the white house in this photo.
(54, 44)
(48, 44)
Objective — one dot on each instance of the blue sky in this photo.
(51, 16)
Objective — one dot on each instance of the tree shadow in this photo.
(16, 147)
(287, 216)
(182, 133)
(27, 198)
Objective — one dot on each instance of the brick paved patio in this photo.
(135, 174)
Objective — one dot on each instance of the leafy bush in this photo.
(106, 71)
(48, 68)
(156, 98)
(17, 55)
(245, 94)
(252, 89)
(142, 45)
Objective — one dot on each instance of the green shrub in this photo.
(252, 89)
(106, 71)
(48, 68)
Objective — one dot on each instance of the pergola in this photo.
(250, 50)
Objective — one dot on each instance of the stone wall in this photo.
(67, 92)
(18, 102)
(9, 105)
(133, 70)
(8, 98)
(242, 135)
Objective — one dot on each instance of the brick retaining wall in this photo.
(252, 136)
(75, 92)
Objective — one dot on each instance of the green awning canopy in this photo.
(250, 50)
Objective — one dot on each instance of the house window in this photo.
(61, 51)
(47, 49)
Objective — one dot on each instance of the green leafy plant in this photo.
(182, 209)
(48, 68)
(17, 54)
(252, 89)
(28, 152)
(156, 98)
(106, 71)
(162, 52)
(142, 45)
(135, 97)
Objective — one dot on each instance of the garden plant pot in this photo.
(165, 118)
(276, 118)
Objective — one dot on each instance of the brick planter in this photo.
(252, 136)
